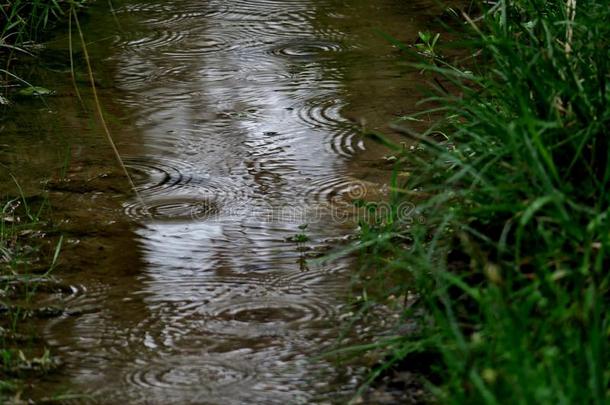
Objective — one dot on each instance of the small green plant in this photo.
(427, 46)
(301, 237)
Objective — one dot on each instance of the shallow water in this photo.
(239, 121)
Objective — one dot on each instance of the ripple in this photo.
(151, 40)
(173, 209)
(325, 113)
(339, 191)
(197, 45)
(145, 7)
(173, 13)
(269, 21)
(245, 244)
(218, 74)
(305, 50)
(267, 76)
(346, 144)
(285, 309)
(155, 175)
(174, 190)
(202, 308)
(204, 372)
(324, 279)
(141, 72)
(322, 112)
(195, 14)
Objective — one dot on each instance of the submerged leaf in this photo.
(34, 91)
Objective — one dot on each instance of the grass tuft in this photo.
(511, 266)
(22, 23)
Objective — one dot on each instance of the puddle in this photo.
(239, 121)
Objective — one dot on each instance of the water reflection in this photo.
(242, 138)
(239, 119)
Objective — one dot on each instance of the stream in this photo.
(239, 122)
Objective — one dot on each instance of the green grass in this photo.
(28, 255)
(27, 259)
(23, 20)
(511, 267)
(22, 23)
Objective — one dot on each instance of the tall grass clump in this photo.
(508, 277)
(22, 23)
(23, 20)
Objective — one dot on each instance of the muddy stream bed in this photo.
(239, 122)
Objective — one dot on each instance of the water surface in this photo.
(239, 122)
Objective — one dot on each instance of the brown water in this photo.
(239, 121)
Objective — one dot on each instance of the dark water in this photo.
(239, 121)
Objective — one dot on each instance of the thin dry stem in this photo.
(101, 114)
(72, 61)
(571, 8)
